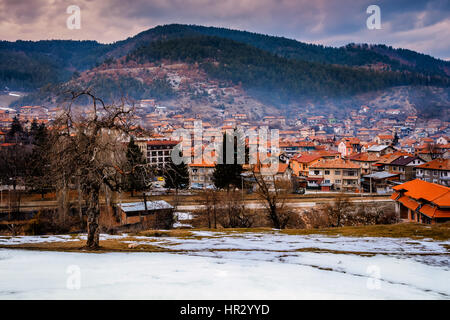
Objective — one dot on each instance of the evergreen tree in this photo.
(137, 176)
(395, 141)
(15, 133)
(228, 175)
(176, 176)
(38, 177)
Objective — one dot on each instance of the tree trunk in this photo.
(93, 214)
(80, 199)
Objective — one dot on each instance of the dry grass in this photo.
(180, 233)
(401, 230)
(78, 246)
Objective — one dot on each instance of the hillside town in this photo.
(372, 151)
(385, 146)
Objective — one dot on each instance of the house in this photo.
(379, 182)
(349, 146)
(384, 139)
(443, 140)
(301, 162)
(404, 166)
(436, 171)
(283, 173)
(141, 212)
(365, 161)
(337, 174)
(380, 150)
(421, 201)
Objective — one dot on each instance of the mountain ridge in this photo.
(269, 68)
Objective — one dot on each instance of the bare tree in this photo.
(211, 200)
(232, 212)
(88, 148)
(274, 192)
(339, 211)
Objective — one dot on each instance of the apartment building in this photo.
(201, 175)
(336, 174)
(436, 171)
(159, 152)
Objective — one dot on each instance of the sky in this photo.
(423, 26)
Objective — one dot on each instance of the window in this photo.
(337, 181)
(337, 172)
(327, 171)
(316, 172)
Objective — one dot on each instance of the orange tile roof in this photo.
(335, 163)
(203, 164)
(434, 212)
(385, 136)
(436, 164)
(7, 144)
(409, 203)
(306, 158)
(162, 142)
(395, 195)
(364, 156)
(431, 192)
(282, 167)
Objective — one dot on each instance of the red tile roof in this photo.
(436, 164)
(162, 142)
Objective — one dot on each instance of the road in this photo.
(189, 203)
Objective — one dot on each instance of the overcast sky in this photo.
(423, 26)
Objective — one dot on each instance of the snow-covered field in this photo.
(232, 265)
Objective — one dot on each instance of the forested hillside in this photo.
(268, 74)
(28, 65)
(351, 55)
